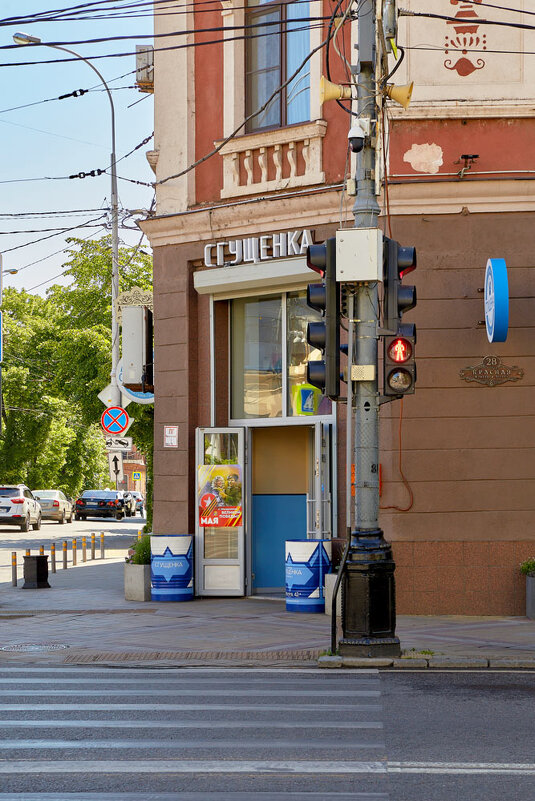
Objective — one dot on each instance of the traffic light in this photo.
(399, 361)
(397, 262)
(399, 365)
(325, 335)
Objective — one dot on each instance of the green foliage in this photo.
(57, 358)
(140, 552)
(527, 568)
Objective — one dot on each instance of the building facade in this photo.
(230, 277)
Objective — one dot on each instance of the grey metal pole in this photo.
(116, 392)
(25, 39)
(368, 608)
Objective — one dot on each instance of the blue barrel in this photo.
(307, 562)
(171, 567)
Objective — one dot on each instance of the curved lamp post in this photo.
(25, 39)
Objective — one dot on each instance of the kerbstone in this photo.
(458, 662)
(330, 662)
(513, 662)
(365, 662)
(409, 663)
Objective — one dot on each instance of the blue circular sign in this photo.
(496, 300)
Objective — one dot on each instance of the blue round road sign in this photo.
(114, 420)
(496, 300)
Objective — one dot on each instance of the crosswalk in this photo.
(190, 734)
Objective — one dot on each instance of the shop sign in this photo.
(219, 494)
(496, 300)
(255, 249)
(491, 372)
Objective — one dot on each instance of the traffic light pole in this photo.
(368, 600)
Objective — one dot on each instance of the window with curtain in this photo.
(276, 44)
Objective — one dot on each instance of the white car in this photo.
(54, 505)
(18, 507)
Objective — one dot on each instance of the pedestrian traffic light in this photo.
(397, 262)
(325, 335)
(399, 366)
(399, 361)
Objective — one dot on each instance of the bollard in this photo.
(92, 545)
(53, 557)
(13, 568)
(84, 549)
(139, 534)
(41, 550)
(102, 545)
(64, 554)
(74, 552)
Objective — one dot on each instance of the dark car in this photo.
(100, 503)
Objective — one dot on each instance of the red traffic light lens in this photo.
(399, 350)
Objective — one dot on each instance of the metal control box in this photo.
(359, 254)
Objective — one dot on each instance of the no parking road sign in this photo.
(114, 420)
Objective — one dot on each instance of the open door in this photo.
(219, 534)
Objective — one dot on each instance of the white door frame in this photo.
(200, 561)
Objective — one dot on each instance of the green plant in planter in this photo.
(527, 568)
(139, 554)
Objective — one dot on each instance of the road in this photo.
(100, 733)
(118, 536)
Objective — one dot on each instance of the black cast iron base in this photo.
(374, 647)
(369, 598)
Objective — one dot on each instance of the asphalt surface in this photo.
(207, 734)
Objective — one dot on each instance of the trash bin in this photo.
(35, 573)
(171, 567)
(307, 562)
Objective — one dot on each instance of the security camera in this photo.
(357, 134)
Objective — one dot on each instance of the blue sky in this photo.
(60, 138)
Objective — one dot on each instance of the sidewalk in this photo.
(84, 618)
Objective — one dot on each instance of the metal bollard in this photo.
(53, 557)
(64, 554)
(41, 550)
(13, 568)
(92, 545)
(74, 552)
(84, 549)
(102, 545)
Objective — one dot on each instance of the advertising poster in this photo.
(219, 492)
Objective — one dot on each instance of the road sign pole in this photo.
(368, 610)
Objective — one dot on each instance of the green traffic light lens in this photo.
(400, 381)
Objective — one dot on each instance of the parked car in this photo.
(129, 503)
(99, 503)
(18, 507)
(54, 505)
(140, 502)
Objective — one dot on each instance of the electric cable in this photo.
(50, 236)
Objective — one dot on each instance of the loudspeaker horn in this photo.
(333, 91)
(400, 94)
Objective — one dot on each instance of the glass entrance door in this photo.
(219, 534)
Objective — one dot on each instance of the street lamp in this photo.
(115, 395)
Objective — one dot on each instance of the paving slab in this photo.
(85, 618)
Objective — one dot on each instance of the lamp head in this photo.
(25, 38)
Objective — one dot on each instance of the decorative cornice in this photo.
(455, 109)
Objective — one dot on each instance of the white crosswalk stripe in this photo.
(100, 733)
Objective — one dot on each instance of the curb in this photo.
(435, 662)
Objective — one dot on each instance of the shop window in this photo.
(257, 357)
(302, 398)
(268, 378)
(277, 43)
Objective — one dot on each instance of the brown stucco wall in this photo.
(467, 450)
